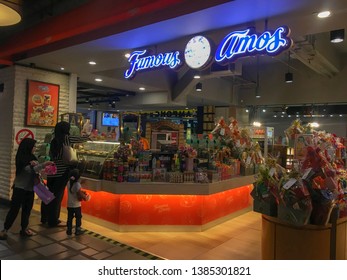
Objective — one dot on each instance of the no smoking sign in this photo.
(22, 133)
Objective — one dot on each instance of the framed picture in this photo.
(42, 104)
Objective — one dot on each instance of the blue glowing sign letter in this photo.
(241, 43)
(139, 62)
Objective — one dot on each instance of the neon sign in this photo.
(235, 45)
(240, 44)
(139, 62)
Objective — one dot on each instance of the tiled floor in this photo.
(55, 244)
(238, 238)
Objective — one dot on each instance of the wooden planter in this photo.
(281, 241)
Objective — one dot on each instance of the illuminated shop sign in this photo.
(138, 61)
(242, 43)
(198, 51)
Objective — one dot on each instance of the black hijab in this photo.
(61, 130)
(24, 154)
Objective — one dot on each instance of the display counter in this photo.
(157, 206)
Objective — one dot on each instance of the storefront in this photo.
(155, 189)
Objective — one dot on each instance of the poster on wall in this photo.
(42, 104)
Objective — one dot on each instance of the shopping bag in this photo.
(43, 192)
(69, 155)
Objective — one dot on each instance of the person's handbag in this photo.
(42, 191)
(69, 155)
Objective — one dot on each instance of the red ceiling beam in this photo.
(94, 20)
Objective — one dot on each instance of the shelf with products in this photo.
(92, 156)
(206, 118)
(289, 158)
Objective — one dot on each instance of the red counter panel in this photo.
(173, 210)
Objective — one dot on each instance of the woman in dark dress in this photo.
(23, 190)
(56, 183)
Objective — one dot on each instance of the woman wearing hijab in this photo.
(56, 183)
(23, 191)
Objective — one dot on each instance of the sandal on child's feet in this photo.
(26, 233)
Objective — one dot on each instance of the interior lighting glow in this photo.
(142, 88)
(314, 124)
(257, 124)
(10, 12)
(324, 14)
(92, 62)
(98, 80)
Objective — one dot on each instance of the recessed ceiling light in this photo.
(197, 77)
(62, 68)
(323, 14)
(92, 62)
(98, 80)
(142, 88)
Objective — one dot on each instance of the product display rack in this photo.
(92, 156)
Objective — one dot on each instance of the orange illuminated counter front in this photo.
(158, 206)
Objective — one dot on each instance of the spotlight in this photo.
(288, 77)
(337, 36)
(198, 87)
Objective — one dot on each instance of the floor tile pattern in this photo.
(55, 244)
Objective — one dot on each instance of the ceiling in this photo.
(55, 34)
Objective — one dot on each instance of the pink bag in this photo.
(43, 193)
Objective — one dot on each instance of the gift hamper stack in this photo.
(298, 205)
(309, 192)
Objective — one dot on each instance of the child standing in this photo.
(74, 202)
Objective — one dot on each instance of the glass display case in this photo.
(92, 155)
